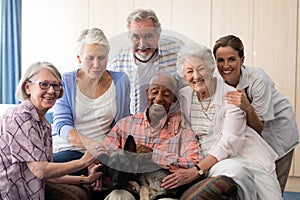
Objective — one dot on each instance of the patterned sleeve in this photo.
(113, 139)
(25, 139)
(181, 151)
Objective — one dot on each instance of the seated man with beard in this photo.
(151, 132)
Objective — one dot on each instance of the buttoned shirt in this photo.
(280, 126)
(24, 137)
(170, 150)
(164, 62)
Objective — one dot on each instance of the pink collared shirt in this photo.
(169, 150)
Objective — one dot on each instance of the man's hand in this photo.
(143, 149)
(180, 177)
(174, 122)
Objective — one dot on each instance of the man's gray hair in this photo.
(144, 14)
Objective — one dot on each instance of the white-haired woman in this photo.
(230, 147)
(94, 99)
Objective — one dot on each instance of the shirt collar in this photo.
(219, 93)
(244, 78)
(30, 108)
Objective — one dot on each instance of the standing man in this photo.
(149, 53)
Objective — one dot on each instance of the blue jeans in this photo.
(66, 156)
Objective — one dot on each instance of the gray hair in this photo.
(195, 50)
(33, 70)
(91, 36)
(144, 14)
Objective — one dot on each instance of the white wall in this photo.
(268, 28)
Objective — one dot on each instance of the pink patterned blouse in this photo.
(24, 137)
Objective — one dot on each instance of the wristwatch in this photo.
(200, 171)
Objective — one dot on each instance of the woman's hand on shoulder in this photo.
(238, 98)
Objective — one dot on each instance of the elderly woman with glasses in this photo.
(25, 138)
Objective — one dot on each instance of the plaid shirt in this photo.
(165, 62)
(169, 150)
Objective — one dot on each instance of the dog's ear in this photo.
(104, 158)
(130, 144)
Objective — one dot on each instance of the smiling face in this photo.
(144, 39)
(43, 100)
(197, 74)
(229, 64)
(160, 100)
(93, 60)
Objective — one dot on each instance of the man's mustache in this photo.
(143, 47)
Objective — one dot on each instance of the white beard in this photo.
(143, 56)
(157, 112)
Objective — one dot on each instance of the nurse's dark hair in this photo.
(232, 41)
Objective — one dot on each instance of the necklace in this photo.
(206, 115)
(202, 106)
(205, 109)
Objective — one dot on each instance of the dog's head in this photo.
(120, 178)
(130, 144)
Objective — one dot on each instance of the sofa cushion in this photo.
(55, 191)
(220, 187)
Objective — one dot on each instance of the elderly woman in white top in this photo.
(94, 100)
(230, 147)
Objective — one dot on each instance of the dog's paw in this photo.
(152, 194)
(144, 193)
(134, 186)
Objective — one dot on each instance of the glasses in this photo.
(146, 37)
(47, 85)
